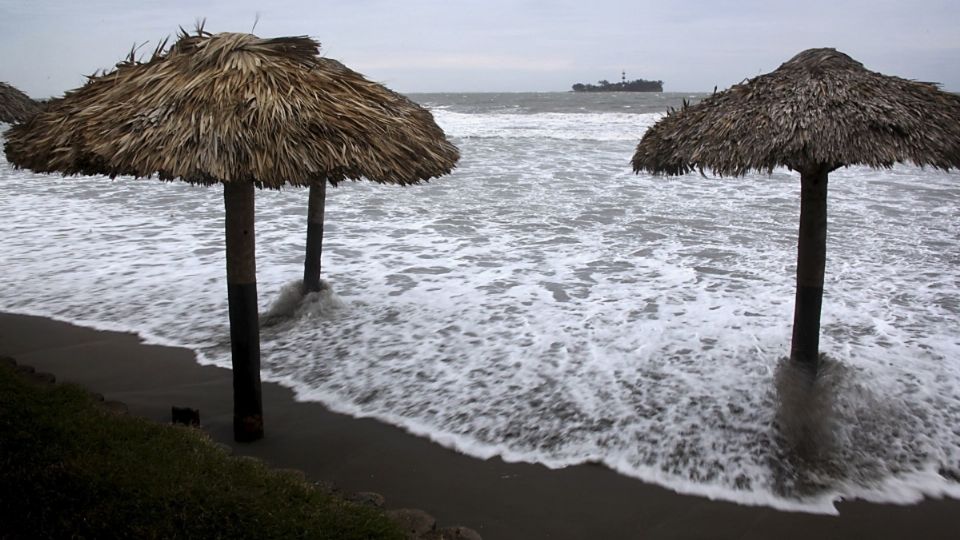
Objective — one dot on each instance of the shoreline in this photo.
(495, 498)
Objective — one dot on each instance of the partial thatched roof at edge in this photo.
(820, 109)
(15, 106)
(235, 107)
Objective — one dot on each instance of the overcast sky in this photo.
(47, 46)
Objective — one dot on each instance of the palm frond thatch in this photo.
(234, 107)
(15, 106)
(819, 109)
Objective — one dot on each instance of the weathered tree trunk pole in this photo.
(244, 319)
(811, 260)
(311, 264)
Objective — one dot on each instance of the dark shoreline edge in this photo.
(499, 500)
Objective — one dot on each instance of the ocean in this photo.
(544, 304)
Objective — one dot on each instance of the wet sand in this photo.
(499, 500)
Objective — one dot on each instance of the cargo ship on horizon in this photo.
(638, 85)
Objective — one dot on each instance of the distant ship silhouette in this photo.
(639, 85)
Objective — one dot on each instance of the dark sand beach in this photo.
(499, 500)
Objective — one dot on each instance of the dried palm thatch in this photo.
(817, 112)
(821, 108)
(235, 107)
(15, 106)
(243, 111)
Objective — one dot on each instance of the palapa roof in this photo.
(15, 106)
(235, 107)
(820, 109)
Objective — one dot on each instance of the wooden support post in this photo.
(244, 318)
(811, 261)
(311, 264)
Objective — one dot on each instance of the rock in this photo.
(452, 533)
(227, 449)
(185, 416)
(368, 498)
(414, 522)
(117, 407)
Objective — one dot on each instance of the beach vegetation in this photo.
(71, 468)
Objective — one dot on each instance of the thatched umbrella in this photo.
(417, 149)
(242, 111)
(15, 106)
(817, 112)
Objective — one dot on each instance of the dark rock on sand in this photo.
(415, 522)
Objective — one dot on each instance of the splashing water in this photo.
(544, 304)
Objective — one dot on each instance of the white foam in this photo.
(544, 304)
(581, 126)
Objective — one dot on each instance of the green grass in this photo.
(71, 469)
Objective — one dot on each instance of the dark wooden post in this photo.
(244, 319)
(811, 260)
(311, 264)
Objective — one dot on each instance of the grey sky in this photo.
(46, 46)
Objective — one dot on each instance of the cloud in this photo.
(459, 61)
(518, 45)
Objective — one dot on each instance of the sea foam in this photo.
(544, 304)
